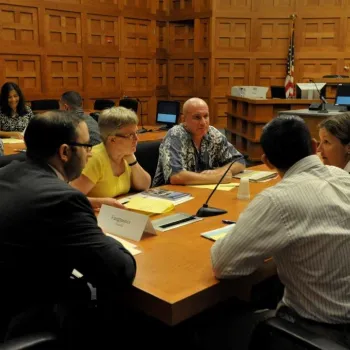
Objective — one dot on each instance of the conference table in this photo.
(153, 135)
(174, 278)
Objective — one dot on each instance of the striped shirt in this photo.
(304, 224)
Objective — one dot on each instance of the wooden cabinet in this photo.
(247, 117)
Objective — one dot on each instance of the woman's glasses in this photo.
(130, 136)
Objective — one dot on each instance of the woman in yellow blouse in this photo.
(334, 146)
(113, 168)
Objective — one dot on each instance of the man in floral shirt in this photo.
(195, 152)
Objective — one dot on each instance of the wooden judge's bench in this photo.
(246, 118)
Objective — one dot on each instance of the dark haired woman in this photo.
(334, 144)
(14, 114)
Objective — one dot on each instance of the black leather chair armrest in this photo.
(299, 335)
(36, 341)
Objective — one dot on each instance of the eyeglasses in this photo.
(130, 136)
(87, 146)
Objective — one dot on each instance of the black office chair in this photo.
(129, 103)
(5, 160)
(147, 155)
(276, 334)
(44, 105)
(36, 341)
(100, 105)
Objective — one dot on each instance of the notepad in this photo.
(218, 233)
(149, 205)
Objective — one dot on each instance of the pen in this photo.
(228, 222)
(178, 222)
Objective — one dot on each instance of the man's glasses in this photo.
(130, 136)
(87, 146)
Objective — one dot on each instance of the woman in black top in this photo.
(14, 114)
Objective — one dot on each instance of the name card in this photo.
(124, 223)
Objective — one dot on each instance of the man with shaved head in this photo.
(195, 152)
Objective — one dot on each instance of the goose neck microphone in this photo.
(205, 210)
(324, 101)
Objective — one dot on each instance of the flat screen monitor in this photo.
(167, 113)
(278, 92)
(308, 91)
(342, 97)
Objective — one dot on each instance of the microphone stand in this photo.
(324, 101)
(205, 210)
(142, 130)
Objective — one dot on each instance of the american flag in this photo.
(289, 85)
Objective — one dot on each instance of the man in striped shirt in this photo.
(304, 224)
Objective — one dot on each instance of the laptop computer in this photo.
(278, 92)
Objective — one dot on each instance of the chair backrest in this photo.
(5, 160)
(147, 155)
(44, 105)
(129, 103)
(33, 341)
(100, 105)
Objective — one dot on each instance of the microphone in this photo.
(324, 101)
(205, 210)
(142, 130)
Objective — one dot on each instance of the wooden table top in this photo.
(155, 134)
(174, 278)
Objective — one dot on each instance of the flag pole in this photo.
(289, 83)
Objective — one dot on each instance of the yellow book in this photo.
(149, 206)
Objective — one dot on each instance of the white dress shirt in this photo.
(347, 167)
(303, 222)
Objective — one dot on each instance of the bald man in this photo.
(194, 152)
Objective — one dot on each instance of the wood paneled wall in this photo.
(160, 49)
(100, 48)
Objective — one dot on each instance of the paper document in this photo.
(149, 205)
(127, 245)
(256, 175)
(218, 233)
(10, 140)
(221, 187)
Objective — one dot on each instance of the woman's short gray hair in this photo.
(338, 126)
(113, 119)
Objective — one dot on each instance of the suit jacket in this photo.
(47, 229)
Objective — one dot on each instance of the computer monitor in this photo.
(278, 91)
(308, 91)
(342, 97)
(167, 113)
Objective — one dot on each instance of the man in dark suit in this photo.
(48, 229)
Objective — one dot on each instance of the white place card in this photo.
(124, 223)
